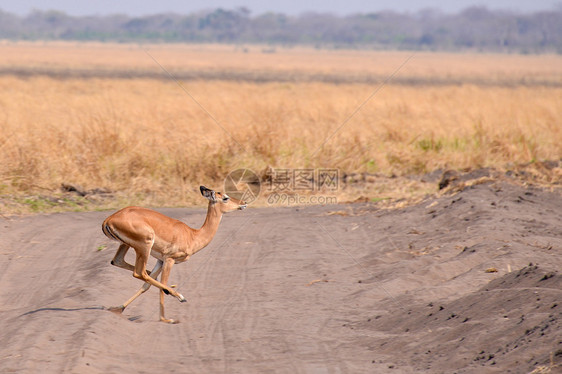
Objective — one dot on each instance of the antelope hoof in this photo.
(116, 309)
(170, 321)
(181, 298)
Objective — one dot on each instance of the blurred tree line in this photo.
(475, 28)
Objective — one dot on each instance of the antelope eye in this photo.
(226, 198)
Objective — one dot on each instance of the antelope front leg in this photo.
(168, 263)
(154, 274)
(141, 273)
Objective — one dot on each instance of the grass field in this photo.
(108, 117)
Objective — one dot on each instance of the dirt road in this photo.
(443, 286)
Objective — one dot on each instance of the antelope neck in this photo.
(205, 234)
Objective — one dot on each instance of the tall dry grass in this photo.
(147, 139)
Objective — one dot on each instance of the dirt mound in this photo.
(512, 322)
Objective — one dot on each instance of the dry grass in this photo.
(148, 140)
(257, 62)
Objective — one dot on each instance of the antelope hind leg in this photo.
(154, 273)
(119, 258)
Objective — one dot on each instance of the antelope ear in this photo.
(208, 194)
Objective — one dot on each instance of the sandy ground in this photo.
(322, 289)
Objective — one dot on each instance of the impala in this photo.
(170, 241)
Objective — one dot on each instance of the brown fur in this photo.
(171, 241)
